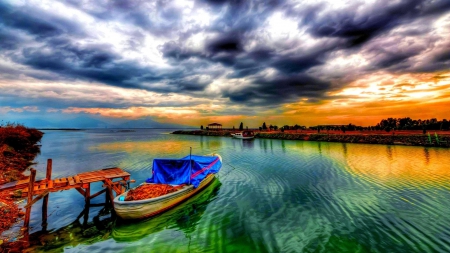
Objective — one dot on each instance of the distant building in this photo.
(215, 126)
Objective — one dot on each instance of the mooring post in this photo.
(111, 195)
(48, 177)
(30, 198)
(106, 197)
(87, 196)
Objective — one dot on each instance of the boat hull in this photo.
(245, 135)
(242, 137)
(140, 209)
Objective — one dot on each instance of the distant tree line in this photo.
(385, 124)
(410, 124)
(285, 127)
(392, 124)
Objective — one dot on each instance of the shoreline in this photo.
(406, 138)
(18, 149)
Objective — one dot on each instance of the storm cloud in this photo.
(252, 53)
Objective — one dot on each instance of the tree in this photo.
(241, 126)
(201, 127)
(264, 127)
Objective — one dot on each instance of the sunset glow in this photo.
(190, 63)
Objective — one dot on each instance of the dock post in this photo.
(107, 197)
(87, 196)
(48, 177)
(30, 198)
(111, 195)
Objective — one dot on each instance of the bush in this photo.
(18, 148)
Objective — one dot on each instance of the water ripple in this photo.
(275, 195)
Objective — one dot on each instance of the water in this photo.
(271, 196)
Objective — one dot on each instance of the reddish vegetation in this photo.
(8, 211)
(18, 148)
(147, 191)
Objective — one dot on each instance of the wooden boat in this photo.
(203, 173)
(244, 135)
(194, 208)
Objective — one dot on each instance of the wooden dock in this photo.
(114, 180)
(79, 181)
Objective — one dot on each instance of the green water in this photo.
(271, 196)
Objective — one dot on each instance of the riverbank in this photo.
(18, 148)
(409, 138)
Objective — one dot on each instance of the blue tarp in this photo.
(178, 171)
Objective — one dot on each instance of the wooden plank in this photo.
(71, 181)
(98, 193)
(42, 182)
(124, 174)
(91, 180)
(80, 191)
(23, 181)
(30, 198)
(9, 185)
(48, 174)
(113, 185)
(77, 179)
(36, 199)
(50, 184)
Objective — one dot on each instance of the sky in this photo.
(187, 62)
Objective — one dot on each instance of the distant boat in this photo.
(244, 135)
(189, 175)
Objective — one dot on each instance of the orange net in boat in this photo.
(147, 191)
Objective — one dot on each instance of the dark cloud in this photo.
(190, 84)
(40, 23)
(173, 50)
(443, 56)
(279, 90)
(296, 64)
(387, 57)
(8, 39)
(360, 26)
(228, 44)
(92, 63)
(236, 45)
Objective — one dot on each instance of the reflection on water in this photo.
(274, 196)
(250, 144)
(77, 232)
(399, 165)
(184, 218)
(160, 147)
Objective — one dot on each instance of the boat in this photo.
(183, 218)
(244, 135)
(189, 175)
